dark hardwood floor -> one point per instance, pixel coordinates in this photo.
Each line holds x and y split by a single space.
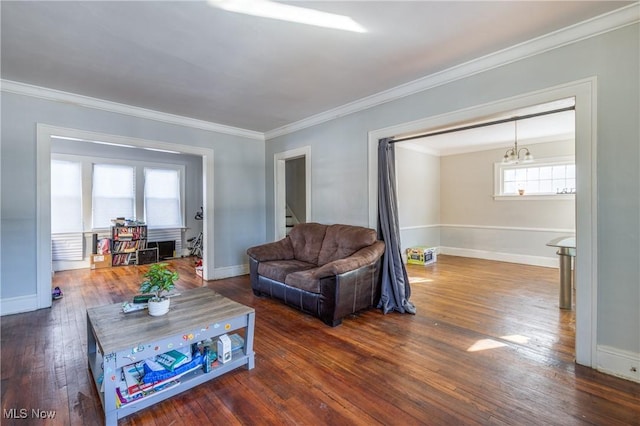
488 345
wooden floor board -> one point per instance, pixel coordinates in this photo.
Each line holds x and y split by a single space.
487 346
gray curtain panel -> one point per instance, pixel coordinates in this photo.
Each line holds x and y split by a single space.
395 291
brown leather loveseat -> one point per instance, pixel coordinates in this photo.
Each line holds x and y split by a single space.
329 271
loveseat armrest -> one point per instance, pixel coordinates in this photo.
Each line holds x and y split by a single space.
278 250
364 256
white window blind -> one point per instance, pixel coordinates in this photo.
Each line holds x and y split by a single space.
113 193
66 196
66 210
162 198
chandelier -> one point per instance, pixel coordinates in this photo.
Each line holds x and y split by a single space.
512 156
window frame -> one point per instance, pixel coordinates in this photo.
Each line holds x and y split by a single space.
498 180
87 185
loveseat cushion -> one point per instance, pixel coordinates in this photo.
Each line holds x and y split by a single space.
306 239
365 256
278 250
304 280
279 269
341 241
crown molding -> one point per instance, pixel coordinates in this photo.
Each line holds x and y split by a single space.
607 22
10 86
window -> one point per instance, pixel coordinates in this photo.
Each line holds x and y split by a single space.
113 194
66 196
546 177
162 191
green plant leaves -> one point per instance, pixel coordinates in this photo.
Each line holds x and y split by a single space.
159 279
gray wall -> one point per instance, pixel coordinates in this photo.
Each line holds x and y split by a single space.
490 225
418 184
448 202
339 162
239 198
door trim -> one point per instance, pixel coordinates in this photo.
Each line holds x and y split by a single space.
585 93
43 197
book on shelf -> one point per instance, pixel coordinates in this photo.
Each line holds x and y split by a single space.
172 359
132 375
123 397
133 384
121 259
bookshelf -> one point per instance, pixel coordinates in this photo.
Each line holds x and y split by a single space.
126 240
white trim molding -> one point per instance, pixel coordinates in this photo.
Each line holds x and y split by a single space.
500 228
525 259
511 228
611 21
408 228
624 364
230 271
17 305
10 86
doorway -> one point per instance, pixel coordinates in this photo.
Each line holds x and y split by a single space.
584 92
292 177
43 196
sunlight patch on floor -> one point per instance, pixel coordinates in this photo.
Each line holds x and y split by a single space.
516 338
484 344
414 280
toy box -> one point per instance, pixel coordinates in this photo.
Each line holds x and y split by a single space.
100 261
421 255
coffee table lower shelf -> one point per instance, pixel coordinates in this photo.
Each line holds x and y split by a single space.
104 368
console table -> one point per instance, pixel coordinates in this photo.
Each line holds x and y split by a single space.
116 339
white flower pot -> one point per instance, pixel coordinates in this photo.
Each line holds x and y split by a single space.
157 309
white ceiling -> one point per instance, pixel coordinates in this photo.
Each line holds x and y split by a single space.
558 126
195 60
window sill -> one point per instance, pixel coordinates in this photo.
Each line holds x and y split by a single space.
549 197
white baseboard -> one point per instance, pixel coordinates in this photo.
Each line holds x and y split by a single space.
616 362
230 271
548 262
18 305
68 265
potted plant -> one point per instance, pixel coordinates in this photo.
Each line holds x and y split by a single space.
159 279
